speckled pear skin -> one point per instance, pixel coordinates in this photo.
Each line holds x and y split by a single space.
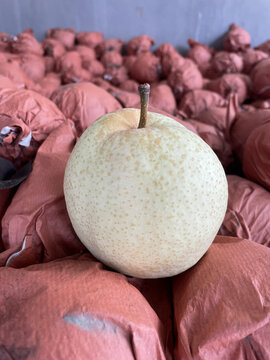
147 202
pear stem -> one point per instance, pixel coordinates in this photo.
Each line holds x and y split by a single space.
144 91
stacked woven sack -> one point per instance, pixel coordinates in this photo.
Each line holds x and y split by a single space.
57 301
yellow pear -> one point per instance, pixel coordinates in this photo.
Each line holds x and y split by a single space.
144 194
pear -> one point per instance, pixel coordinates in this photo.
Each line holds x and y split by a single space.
144 194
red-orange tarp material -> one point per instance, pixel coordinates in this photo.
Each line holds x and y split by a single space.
222 304
75 309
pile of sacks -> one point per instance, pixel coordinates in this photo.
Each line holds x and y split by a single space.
57 301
